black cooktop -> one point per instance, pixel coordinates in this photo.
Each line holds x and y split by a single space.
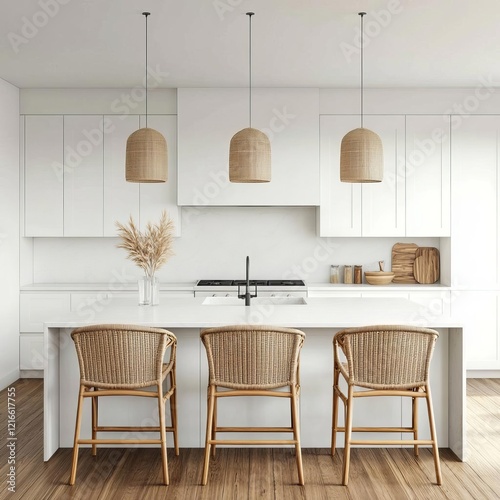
252 282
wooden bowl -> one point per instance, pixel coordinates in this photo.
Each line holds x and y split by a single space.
378 277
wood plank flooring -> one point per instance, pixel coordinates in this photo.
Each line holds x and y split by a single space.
253 473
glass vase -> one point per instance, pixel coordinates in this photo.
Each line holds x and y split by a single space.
155 290
144 287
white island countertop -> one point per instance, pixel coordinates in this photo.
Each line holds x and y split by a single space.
316 313
319 318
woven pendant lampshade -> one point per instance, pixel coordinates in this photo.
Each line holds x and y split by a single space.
146 156
250 156
361 153
361 157
250 149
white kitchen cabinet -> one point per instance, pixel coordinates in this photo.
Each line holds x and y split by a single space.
83 175
36 308
348 209
31 351
121 198
479 312
43 176
208 118
433 303
156 197
428 175
75 175
475 191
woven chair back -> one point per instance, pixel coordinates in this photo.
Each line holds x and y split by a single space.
121 356
387 357
252 357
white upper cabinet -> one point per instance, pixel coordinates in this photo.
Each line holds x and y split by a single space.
207 120
43 175
362 209
156 197
121 198
475 187
428 175
74 178
83 175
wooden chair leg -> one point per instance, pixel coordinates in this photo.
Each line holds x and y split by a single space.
173 410
335 410
77 436
95 420
208 433
214 427
414 423
296 435
347 434
163 434
432 425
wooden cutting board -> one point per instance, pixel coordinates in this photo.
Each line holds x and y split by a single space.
403 259
426 267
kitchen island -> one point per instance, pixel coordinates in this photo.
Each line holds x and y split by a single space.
319 318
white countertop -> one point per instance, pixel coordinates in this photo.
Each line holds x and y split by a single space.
107 287
317 313
404 287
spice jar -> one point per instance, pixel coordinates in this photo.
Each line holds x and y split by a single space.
334 274
358 275
348 274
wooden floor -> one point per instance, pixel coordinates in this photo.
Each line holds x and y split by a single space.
252 473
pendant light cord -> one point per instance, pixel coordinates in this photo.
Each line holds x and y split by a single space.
146 14
250 14
362 48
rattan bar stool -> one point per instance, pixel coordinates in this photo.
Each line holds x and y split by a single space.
123 360
248 360
386 360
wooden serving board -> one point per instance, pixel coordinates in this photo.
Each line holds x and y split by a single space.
426 267
403 259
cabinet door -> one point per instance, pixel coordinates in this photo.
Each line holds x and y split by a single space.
44 172
121 198
383 203
434 304
475 146
31 351
339 213
156 197
349 209
36 308
208 118
479 313
83 175
428 175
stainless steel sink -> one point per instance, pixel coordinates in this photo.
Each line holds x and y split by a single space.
234 301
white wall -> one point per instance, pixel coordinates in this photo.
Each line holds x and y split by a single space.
281 242
9 233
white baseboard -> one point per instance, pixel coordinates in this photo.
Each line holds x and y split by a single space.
31 374
483 373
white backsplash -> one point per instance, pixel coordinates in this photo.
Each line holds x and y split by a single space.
281 243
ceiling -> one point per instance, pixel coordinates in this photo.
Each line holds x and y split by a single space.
204 43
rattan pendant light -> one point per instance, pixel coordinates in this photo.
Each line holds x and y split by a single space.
361 156
250 149
146 158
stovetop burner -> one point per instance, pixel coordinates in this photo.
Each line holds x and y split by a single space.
252 283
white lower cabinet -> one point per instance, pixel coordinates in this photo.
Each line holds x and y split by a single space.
479 312
37 307
31 351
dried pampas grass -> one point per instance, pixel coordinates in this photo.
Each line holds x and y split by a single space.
149 249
